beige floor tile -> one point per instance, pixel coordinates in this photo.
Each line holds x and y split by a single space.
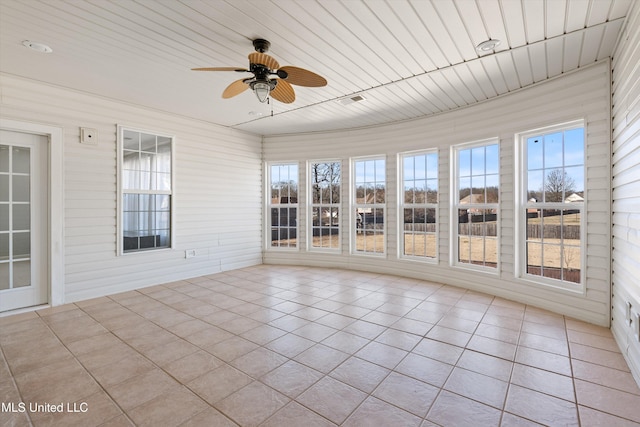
290 345
604 376
210 417
440 351
424 369
412 326
543 381
64 381
597 341
332 399
611 401
611 359
543 360
539 342
486 365
592 418
321 358
364 329
407 393
121 370
192 366
171 408
541 408
510 420
291 378
231 348
497 333
482 388
453 410
315 332
381 354
492 347
375 412
399 339
263 334
289 323
208 337
219 383
140 389
345 342
449 336
258 362
295 414
263 401
167 352
360 374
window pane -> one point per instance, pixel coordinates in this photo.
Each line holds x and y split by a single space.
554 183
148 143
464 162
131 140
21 156
4 159
553 150
574 147
492 159
535 186
4 188
432 166
21 245
21 273
478 161
20 188
4 217
21 217
535 152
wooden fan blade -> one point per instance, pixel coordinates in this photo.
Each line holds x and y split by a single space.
219 69
283 92
301 77
235 88
263 59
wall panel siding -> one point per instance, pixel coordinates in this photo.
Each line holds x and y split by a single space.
582 94
217 192
626 189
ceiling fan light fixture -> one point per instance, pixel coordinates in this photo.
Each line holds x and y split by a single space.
488 45
262 90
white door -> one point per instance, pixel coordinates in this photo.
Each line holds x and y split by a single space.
24 278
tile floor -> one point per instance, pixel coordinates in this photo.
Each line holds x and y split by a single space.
288 346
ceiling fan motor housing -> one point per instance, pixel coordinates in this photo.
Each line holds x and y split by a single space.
261 45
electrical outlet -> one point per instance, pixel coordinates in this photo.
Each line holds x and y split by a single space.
190 253
88 136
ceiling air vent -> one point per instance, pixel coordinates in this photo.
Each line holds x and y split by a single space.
351 99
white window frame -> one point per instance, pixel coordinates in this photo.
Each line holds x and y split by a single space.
402 205
354 206
455 205
311 206
121 192
270 205
522 205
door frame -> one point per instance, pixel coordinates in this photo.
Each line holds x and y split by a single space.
55 196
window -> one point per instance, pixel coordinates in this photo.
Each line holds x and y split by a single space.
146 184
476 198
418 205
369 206
283 204
552 203
324 191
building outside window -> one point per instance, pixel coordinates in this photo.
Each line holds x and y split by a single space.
418 205
324 214
283 205
146 163
476 204
552 203
369 196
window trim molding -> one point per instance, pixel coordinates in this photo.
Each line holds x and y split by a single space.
454 169
353 206
400 206
520 168
310 205
268 206
120 191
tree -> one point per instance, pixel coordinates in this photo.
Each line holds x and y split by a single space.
558 185
325 182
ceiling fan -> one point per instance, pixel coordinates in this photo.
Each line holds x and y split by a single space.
268 77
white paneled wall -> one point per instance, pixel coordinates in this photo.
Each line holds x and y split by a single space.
626 191
584 94
217 190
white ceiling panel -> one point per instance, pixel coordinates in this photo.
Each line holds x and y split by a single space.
408 58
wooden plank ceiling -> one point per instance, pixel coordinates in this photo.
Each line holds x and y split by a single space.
406 58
